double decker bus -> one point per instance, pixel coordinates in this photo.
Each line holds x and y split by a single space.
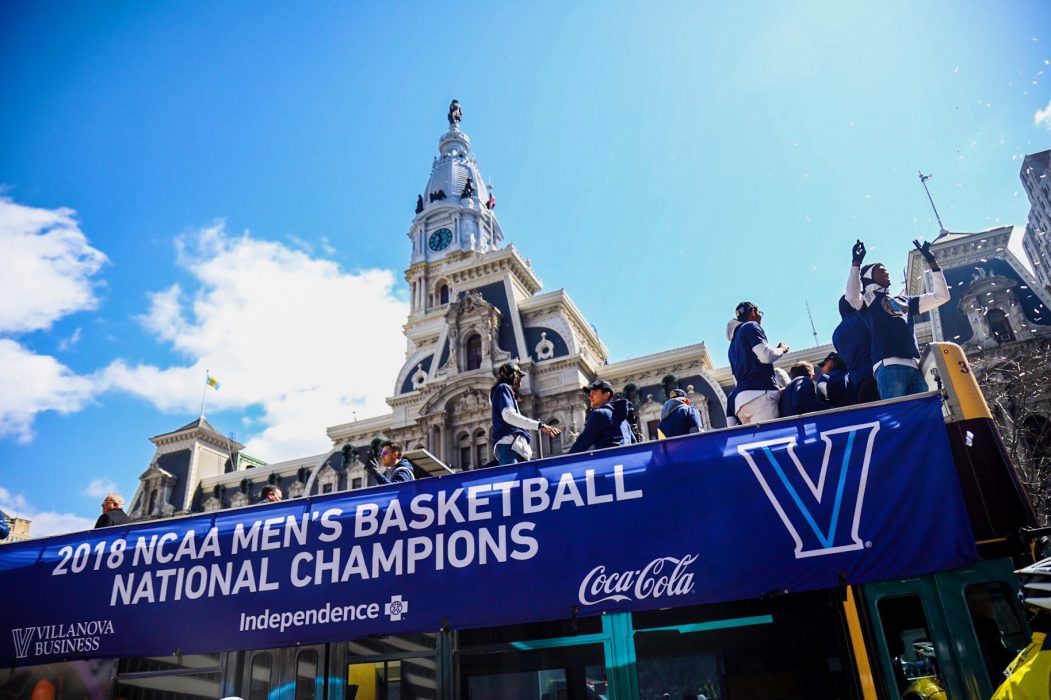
864 552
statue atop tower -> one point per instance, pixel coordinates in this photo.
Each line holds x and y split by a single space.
455 114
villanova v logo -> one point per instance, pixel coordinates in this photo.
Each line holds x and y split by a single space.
823 516
22 636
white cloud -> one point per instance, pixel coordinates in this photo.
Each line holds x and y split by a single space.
100 487
281 330
46 268
33 383
46 272
43 523
1043 117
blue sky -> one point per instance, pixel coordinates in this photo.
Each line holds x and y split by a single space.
227 186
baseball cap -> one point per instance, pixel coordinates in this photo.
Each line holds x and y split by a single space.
599 384
677 394
743 308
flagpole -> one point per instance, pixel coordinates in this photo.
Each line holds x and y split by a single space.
204 392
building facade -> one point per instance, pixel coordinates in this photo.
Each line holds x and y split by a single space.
1036 178
475 302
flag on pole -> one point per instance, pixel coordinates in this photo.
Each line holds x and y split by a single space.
211 381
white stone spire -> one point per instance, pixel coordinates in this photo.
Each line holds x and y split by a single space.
455 210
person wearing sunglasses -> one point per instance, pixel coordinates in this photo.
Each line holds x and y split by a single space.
396 468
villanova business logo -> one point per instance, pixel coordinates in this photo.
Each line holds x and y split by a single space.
821 515
22 636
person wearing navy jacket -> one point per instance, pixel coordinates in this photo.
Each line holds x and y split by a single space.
396 469
512 431
755 396
853 342
678 417
800 396
833 381
891 320
607 423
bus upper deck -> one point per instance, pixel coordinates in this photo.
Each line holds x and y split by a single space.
861 552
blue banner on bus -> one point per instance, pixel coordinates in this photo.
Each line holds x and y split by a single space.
866 494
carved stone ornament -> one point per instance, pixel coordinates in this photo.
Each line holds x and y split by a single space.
418 377
545 349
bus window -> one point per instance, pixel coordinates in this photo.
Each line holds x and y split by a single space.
790 647
910 646
261 678
558 673
307 674
999 632
551 629
393 644
404 679
185 677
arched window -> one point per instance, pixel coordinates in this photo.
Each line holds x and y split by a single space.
1000 326
481 448
473 348
463 442
553 446
443 293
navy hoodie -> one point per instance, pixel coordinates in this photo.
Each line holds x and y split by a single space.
606 426
749 372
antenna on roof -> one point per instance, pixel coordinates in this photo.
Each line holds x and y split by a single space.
812 328
923 181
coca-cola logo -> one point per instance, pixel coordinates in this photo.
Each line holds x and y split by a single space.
661 578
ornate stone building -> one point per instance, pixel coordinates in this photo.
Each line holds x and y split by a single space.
474 303
996 297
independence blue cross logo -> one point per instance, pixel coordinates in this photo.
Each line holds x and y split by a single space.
822 515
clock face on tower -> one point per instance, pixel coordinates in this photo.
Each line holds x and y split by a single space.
440 239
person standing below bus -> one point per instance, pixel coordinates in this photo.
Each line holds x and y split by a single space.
755 396
607 422
678 417
112 511
512 431
853 342
891 320
1029 675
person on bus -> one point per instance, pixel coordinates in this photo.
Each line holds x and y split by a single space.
607 422
756 394
833 381
853 343
270 494
678 416
891 320
1029 675
112 511
800 396
396 468
512 431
